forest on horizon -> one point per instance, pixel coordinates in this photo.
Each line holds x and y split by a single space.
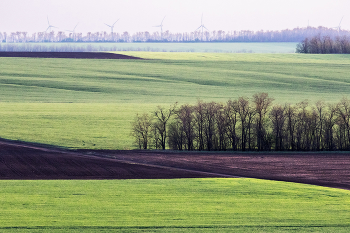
287 35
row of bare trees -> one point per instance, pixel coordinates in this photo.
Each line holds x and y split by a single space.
325 45
287 35
254 124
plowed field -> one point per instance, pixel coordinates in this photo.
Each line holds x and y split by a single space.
79 55
24 161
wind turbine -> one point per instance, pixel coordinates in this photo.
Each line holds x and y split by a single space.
338 28
50 26
202 26
161 28
112 26
73 31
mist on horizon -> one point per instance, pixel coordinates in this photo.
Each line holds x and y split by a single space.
180 15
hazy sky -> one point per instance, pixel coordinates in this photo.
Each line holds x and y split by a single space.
181 15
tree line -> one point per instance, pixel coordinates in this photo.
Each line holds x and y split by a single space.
325 45
287 35
246 124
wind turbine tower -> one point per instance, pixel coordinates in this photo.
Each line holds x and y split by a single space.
161 28
112 26
202 26
339 26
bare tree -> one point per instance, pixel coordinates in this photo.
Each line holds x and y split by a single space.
243 111
291 124
262 104
210 111
162 117
329 126
343 111
141 130
221 126
185 114
199 123
278 117
231 112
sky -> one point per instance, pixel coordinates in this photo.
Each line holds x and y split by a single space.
180 15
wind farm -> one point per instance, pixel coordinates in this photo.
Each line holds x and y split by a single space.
174 116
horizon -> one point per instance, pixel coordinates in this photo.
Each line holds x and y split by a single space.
180 16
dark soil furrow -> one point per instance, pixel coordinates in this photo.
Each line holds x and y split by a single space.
76 55
28 161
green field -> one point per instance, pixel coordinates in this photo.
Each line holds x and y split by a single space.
90 103
280 47
195 205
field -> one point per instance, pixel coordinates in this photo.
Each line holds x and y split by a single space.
80 103
35 199
194 205
288 47
85 104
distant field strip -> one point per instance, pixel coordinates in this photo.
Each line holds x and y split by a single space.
81 103
176 205
280 47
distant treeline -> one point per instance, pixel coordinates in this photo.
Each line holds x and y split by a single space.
247 125
287 35
325 45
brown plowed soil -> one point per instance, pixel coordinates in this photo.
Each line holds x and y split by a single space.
78 55
25 161
325 169
30 162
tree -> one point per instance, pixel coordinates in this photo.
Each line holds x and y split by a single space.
231 112
243 111
199 123
262 104
343 111
162 117
210 111
186 118
277 116
290 112
141 130
329 127
303 47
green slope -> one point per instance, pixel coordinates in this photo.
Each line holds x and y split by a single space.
103 96
208 205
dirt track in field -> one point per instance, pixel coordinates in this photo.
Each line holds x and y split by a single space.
26 161
77 55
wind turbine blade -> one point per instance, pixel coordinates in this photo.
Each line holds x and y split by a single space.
48 20
47 28
198 28
205 28
163 20
115 22
340 21
108 25
75 27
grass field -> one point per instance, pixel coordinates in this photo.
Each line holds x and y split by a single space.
90 103
194 205
288 47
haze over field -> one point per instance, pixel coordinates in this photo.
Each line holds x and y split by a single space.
181 15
